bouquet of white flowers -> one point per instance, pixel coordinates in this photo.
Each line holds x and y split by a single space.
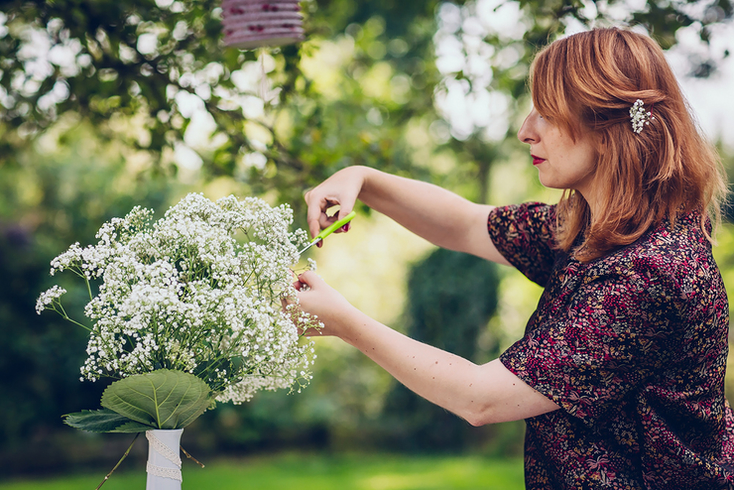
189 311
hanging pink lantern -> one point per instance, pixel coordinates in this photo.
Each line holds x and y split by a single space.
253 23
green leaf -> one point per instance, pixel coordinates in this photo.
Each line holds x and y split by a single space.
131 427
163 399
99 421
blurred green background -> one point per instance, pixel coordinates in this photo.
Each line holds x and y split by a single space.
109 104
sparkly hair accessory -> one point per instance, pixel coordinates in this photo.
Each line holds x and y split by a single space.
640 118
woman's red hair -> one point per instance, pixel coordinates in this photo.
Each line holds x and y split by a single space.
586 83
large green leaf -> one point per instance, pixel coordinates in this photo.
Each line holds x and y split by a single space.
163 399
96 420
104 420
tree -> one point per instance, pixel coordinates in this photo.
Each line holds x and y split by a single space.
162 63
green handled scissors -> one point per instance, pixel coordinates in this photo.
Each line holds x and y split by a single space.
328 231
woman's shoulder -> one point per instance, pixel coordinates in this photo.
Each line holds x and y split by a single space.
668 241
675 253
524 235
528 211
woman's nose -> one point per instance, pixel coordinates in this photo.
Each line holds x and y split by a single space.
527 133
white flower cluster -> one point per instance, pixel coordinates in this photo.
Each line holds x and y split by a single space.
639 116
49 298
201 290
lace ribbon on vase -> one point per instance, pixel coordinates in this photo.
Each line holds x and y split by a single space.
169 454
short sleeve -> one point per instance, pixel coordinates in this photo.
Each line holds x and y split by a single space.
611 334
523 234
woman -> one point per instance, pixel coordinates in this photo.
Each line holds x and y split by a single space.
620 374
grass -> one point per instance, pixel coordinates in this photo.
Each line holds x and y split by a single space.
314 472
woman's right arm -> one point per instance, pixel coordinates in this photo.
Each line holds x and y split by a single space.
440 216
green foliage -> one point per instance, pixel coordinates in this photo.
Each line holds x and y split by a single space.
162 399
112 61
104 71
451 297
152 60
103 420
48 200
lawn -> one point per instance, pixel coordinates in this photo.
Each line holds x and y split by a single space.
313 472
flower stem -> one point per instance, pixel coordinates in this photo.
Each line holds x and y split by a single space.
68 318
118 463
191 457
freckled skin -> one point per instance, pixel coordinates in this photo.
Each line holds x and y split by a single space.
481 394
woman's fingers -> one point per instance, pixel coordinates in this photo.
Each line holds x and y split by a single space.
316 213
318 218
307 283
308 279
341 189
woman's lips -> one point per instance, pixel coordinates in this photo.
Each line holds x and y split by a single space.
537 160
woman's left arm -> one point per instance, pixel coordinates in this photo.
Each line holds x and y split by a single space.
480 394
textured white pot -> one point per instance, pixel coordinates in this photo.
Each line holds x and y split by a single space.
164 460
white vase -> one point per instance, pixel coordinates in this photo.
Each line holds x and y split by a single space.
164 460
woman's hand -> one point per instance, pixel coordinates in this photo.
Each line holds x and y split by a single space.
318 298
341 189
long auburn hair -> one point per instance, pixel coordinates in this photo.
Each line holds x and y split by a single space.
587 83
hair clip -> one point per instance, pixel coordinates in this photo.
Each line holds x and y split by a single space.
640 118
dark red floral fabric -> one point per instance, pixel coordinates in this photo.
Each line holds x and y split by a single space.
633 348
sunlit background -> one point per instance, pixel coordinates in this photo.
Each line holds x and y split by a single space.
111 104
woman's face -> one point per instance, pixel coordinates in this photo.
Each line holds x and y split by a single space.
562 163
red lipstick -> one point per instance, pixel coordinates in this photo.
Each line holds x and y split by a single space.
537 160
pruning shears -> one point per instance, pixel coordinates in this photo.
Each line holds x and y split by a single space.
328 231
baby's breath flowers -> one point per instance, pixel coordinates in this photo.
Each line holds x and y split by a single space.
639 116
200 291
50 299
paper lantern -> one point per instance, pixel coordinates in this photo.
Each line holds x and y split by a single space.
253 23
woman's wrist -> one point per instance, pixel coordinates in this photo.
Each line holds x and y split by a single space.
351 323
375 190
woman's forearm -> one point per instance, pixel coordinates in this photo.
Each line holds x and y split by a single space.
440 216
480 394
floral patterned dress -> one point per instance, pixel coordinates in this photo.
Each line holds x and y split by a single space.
633 348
